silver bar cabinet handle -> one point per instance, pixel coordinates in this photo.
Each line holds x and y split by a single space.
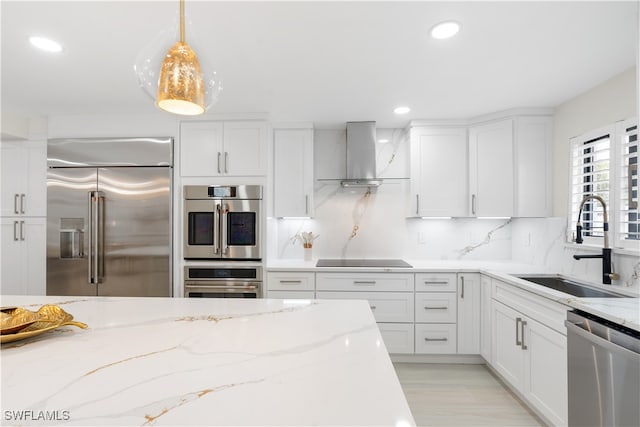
417 204
15 231
306 204
436 308
462 290
518 342
219 154
436 339
226 162
15 203
364 282
22 196
436 282
522 325
290 282
473 204
22 230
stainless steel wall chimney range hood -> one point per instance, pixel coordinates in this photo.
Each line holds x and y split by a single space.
361 155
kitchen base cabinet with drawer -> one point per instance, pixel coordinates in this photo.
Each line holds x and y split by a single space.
385 306
390 296
397 337
291 285
436 338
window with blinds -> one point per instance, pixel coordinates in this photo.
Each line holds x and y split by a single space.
590 174
628 225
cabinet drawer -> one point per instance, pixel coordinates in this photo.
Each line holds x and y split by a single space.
436 307
397 337
290 294
385 306
392 282
436 338
436 282
290 281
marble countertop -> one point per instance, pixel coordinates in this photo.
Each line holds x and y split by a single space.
165 361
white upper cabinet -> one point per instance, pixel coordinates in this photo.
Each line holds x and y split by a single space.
532 151
439 177
293 172
491 169
223 148
24 178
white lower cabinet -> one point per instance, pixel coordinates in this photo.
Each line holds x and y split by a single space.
23 270
468 313
397 337
390 296
290 285
385 306
531 356
436 338
436 313
486 309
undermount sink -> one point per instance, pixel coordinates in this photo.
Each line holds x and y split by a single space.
570 287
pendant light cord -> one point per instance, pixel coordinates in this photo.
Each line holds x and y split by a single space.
182 21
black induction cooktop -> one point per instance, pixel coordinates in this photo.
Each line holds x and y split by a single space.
379 263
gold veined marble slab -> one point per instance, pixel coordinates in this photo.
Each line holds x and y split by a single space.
18 323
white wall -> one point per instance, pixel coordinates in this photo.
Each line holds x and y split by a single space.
614 100
607 103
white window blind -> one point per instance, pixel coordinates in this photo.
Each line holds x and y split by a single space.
628 229
590 174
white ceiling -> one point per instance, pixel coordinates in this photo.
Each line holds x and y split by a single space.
326 62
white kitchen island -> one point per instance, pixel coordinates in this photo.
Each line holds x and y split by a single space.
164 361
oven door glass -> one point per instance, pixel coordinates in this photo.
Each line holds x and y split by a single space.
241 229
201 225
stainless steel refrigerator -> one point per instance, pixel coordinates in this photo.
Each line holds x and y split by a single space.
109 216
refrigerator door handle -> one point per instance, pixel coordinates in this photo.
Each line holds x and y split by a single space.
99 244
91 238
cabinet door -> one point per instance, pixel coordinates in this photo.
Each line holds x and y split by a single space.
23 270
485 318
201 150
532 152
397 337
508 357
291 281
491 169
469 313
293 172
435 338
12 269
439 177
385 306
392 282
546 371
24 179
436 307
245 148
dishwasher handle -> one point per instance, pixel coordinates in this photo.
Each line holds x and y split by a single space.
572 328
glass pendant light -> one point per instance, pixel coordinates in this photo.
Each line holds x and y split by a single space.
181 88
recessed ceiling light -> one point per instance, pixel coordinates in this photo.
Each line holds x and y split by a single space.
444 30
401 110
383 140
45 44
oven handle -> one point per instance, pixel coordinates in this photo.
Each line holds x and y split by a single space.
222 287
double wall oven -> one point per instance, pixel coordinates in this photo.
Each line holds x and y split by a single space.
222 241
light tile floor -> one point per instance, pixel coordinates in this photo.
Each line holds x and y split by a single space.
460 395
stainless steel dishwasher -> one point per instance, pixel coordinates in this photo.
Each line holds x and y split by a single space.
604 372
